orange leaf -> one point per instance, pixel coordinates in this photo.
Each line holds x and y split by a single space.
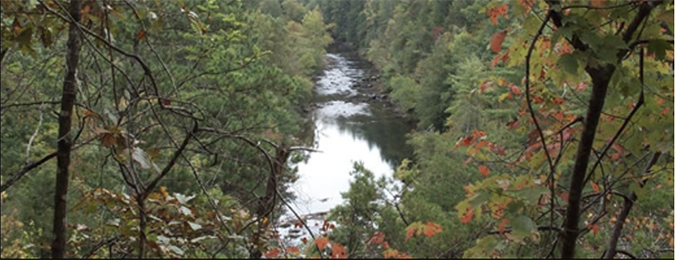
385 245
467 216
272 253
339 251
502 225
293 250
481 144
321 242
432 229
497 11
597 3
483 170
410 231
595 186
497 40
377 238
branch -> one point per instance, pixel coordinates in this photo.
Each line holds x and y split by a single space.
625 210
172 162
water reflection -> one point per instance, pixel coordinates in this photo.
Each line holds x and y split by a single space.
346 131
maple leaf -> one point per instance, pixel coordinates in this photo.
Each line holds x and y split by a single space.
502 225
497 11
515 89
484 170
339 251
497 40
432 229
595 186
272 253
321 242
410 231
481 144
467 216
377 238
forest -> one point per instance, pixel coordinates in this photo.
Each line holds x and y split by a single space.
337 129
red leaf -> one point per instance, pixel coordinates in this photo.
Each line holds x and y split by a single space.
558 101
304 240
515 89
272 253
513 124
497 40
481 144
537 99
141 35
595 228
527 4
487 84
483 170
494 62
505 58
565 196
293 250
321 242
497 149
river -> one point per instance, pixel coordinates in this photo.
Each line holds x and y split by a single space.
352 122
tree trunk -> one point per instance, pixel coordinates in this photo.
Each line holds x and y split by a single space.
65 136
627 206
600 78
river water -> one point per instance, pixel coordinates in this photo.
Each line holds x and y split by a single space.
352 123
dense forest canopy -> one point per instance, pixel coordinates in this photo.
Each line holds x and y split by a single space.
172 129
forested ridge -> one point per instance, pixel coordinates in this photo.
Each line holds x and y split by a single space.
174 129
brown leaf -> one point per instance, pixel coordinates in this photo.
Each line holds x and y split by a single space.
141 35
108 139
497 40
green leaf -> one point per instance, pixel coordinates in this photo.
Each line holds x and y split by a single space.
522 226
568 63
659 48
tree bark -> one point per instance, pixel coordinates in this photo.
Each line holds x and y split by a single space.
627 206
600 78
65 141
